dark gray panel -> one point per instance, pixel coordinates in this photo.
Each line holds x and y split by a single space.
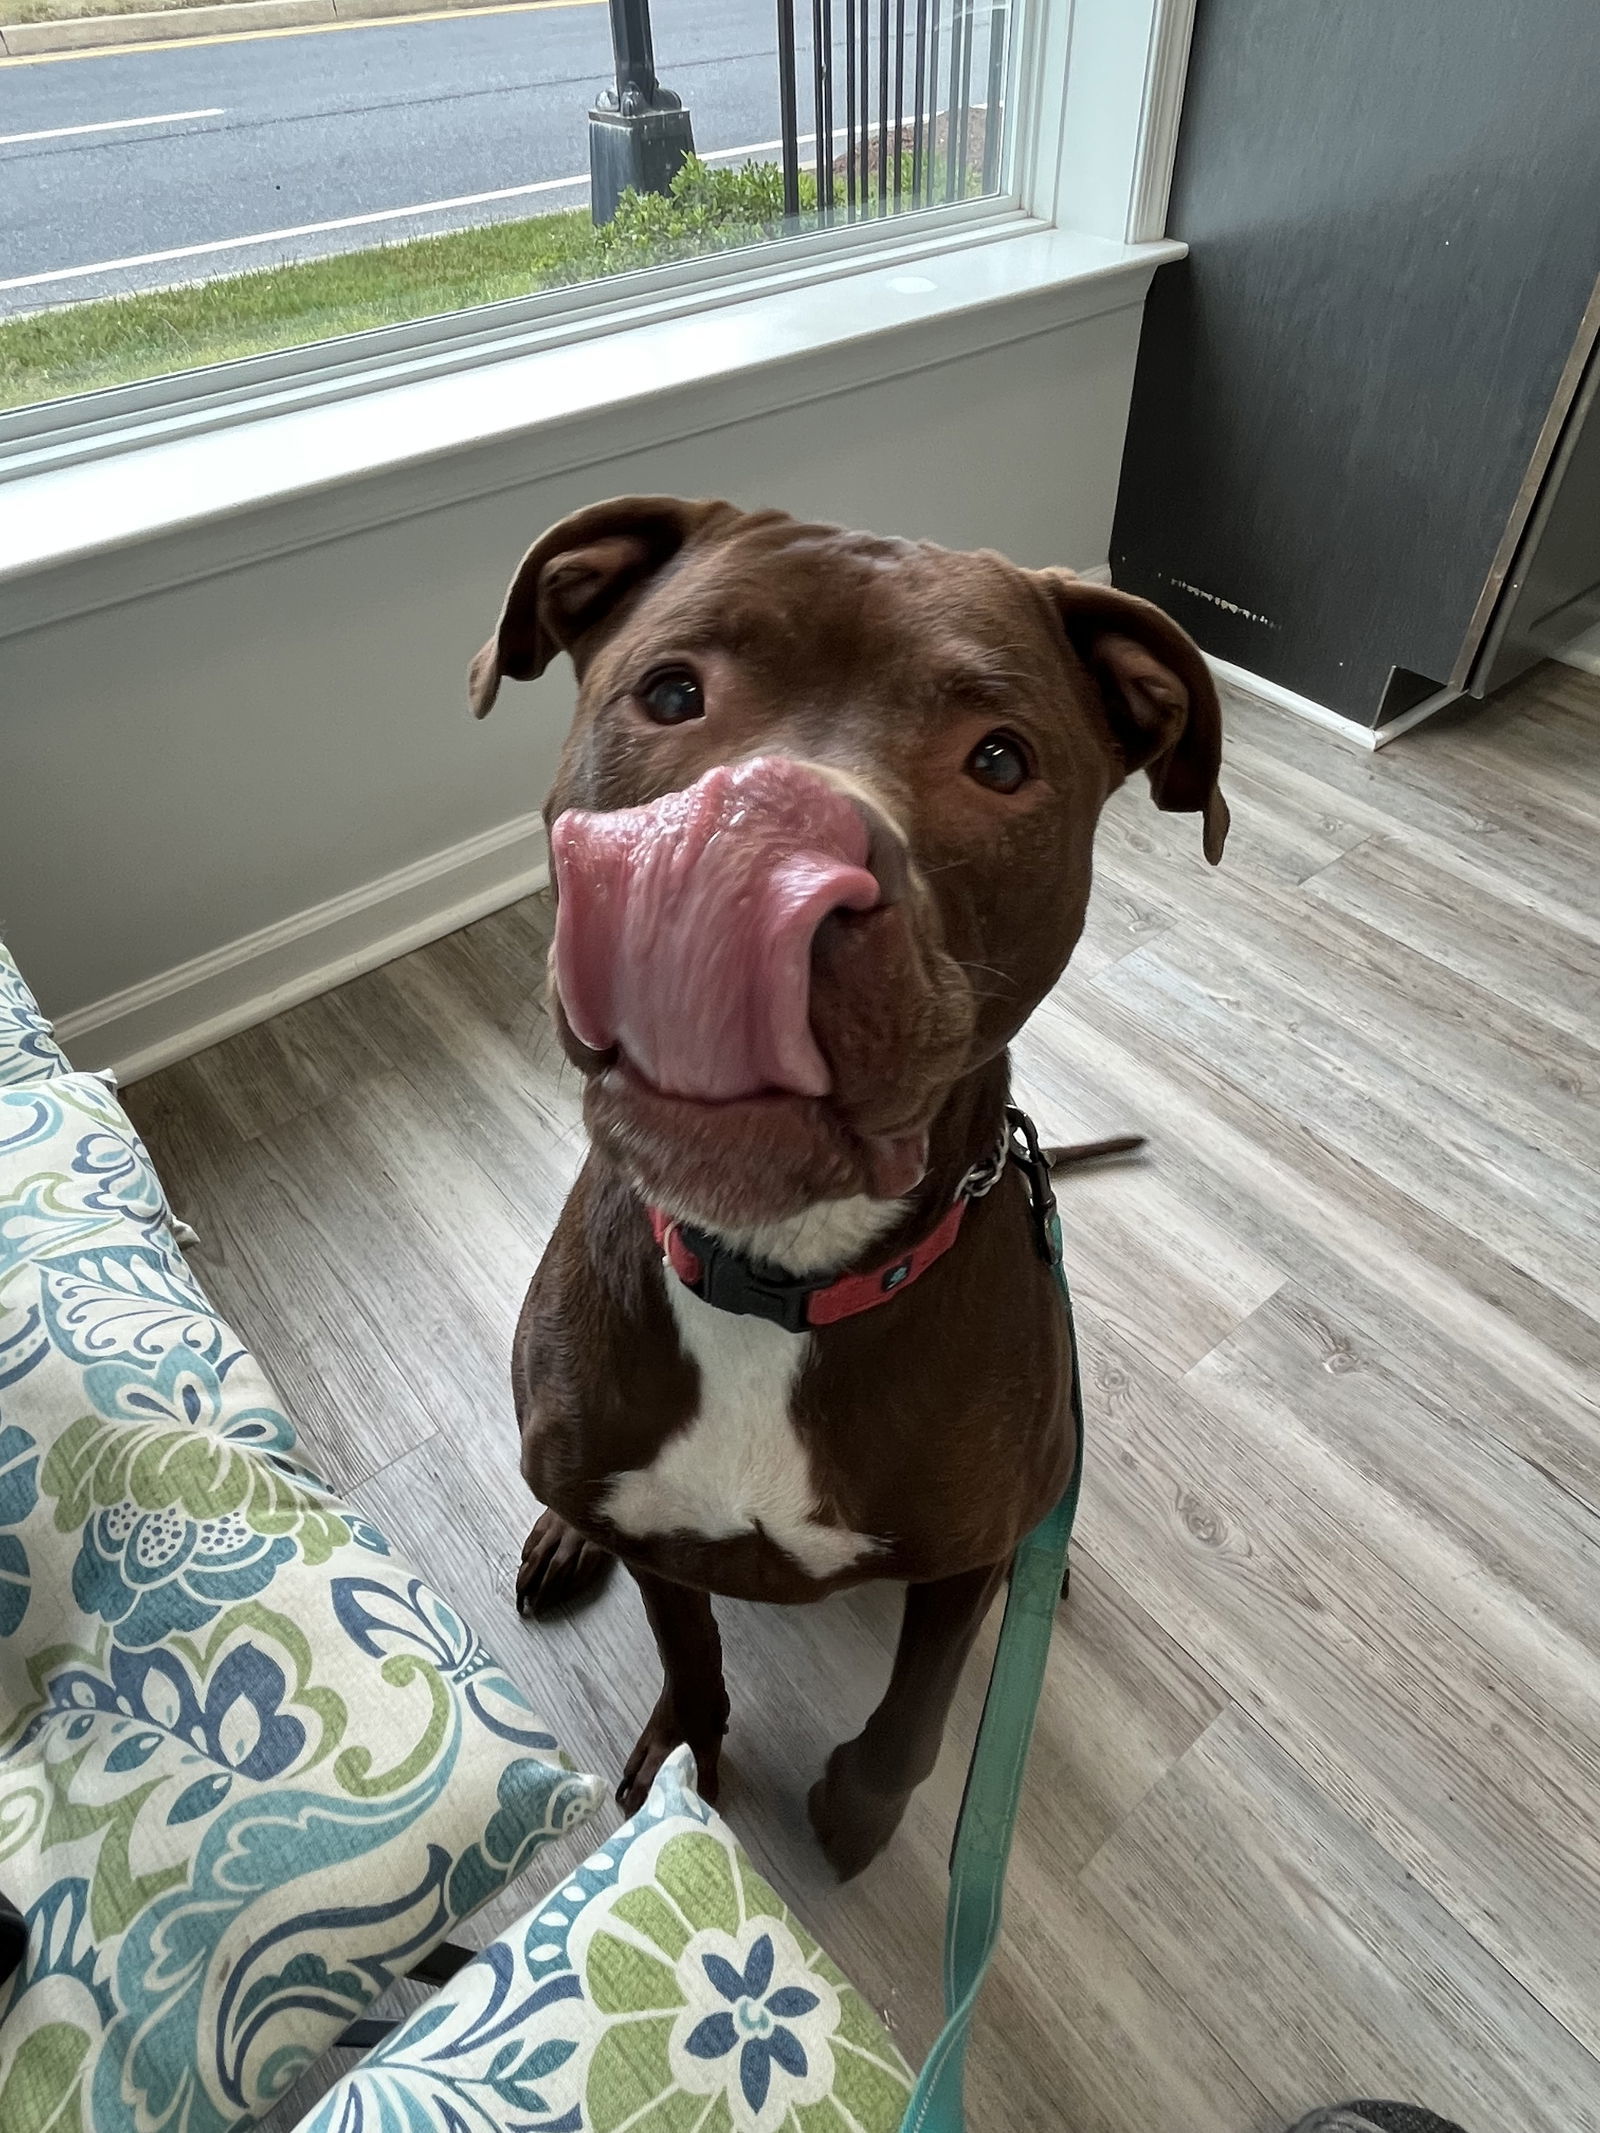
1553 594
1394 208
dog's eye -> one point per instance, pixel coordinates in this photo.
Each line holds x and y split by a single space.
673 697
1000 762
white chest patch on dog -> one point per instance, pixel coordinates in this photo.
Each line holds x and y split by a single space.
740 1463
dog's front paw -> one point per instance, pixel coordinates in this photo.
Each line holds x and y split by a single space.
852 1821
664 1733
558 1565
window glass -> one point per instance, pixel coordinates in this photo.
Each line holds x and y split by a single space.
227 184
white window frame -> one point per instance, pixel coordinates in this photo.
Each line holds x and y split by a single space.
1094 89
182 403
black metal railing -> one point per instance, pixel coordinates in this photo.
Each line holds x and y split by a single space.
906 131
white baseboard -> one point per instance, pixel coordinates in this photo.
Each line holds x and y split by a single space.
1582 652
184 1009
1282 699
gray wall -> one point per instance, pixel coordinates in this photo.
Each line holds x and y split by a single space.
194 765
1394 214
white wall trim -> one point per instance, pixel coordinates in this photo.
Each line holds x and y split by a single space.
1581 652
1099 127
1282 699
1571 633
77 538
65 432
182 1010
1159 117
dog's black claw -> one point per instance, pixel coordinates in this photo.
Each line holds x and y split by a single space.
661 1735
558 1566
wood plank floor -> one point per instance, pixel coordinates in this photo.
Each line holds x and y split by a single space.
1315 1803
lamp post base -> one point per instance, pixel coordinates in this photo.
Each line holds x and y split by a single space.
643 150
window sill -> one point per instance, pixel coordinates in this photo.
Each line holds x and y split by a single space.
75 538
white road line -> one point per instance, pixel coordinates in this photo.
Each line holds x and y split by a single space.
344 222
59 133
300 229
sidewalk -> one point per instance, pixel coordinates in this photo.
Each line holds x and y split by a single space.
107 32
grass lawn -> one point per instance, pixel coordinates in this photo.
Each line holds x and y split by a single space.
76 348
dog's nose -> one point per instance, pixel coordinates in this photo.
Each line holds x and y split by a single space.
888 850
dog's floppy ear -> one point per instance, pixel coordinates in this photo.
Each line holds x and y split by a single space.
575 575
1158 695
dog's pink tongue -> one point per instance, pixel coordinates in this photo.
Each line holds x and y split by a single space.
684 928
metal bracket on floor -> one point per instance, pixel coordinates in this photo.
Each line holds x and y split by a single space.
437 1967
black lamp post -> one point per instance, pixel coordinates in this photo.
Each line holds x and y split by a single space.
639 133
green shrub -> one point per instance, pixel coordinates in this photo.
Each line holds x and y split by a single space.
706 211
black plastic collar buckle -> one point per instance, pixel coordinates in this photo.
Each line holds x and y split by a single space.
1030 1160
731 1282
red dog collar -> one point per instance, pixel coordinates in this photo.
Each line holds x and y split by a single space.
728 1280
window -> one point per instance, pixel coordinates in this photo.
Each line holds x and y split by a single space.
217 195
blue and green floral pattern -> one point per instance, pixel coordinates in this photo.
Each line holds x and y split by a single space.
663 1989
28 1050
251 1768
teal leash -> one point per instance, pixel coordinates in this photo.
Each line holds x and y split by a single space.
994 1782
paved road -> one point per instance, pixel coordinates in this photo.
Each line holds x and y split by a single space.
276 132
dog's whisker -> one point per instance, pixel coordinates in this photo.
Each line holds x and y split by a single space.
988 970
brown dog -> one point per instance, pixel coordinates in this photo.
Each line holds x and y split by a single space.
821 841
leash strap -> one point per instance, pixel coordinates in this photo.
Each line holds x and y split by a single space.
994 1780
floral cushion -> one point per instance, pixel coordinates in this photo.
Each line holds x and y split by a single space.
251 1768
28 1051
664 1989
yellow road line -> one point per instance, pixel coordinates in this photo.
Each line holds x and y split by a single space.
298 29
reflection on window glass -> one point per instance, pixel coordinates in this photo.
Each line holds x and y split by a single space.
200 192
